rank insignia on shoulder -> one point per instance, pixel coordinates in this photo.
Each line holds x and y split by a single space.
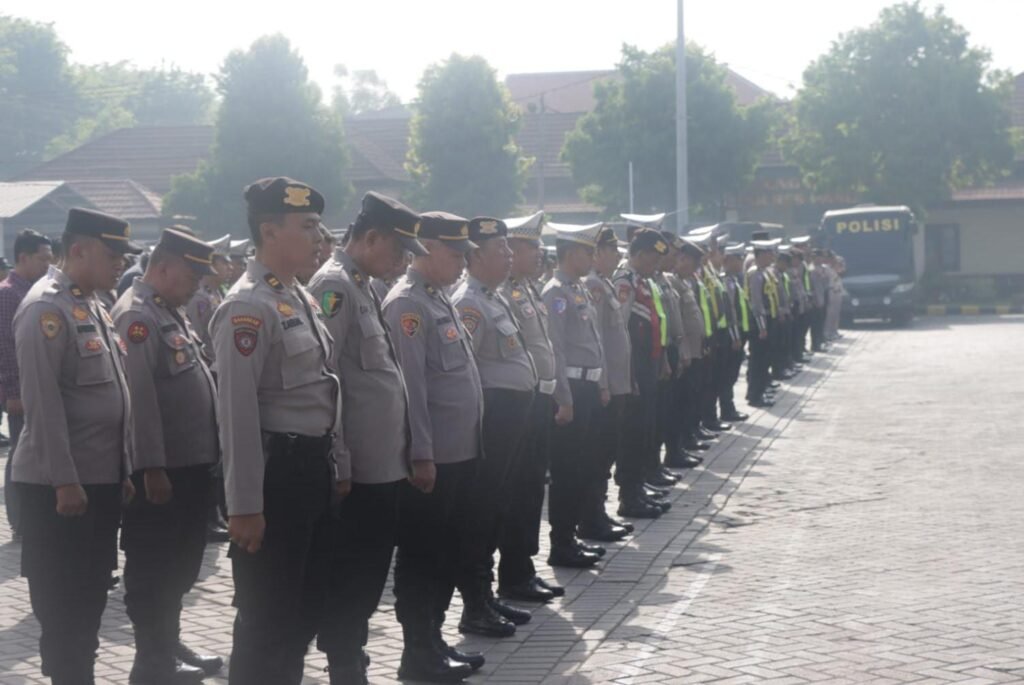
331 301
410 324
51 324
273 282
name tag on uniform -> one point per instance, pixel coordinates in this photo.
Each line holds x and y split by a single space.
291 323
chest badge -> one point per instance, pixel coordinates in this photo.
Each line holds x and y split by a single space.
80 313
285 309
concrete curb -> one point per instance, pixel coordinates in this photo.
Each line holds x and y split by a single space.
969 309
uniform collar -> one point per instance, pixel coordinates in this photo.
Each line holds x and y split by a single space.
149 292
475 283
416 277
564 277
61 279
349 264
261 274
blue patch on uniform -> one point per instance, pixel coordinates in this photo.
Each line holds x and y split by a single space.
559 304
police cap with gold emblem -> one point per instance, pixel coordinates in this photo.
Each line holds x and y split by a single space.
113 231
448 229
283 195
648 240
573 233
526 227
195 252
387 213
484 228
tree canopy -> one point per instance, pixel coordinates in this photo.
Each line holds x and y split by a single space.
462 154
634 121
904 111
361 91
271 122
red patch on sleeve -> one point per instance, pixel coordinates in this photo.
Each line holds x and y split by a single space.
245 341
138 332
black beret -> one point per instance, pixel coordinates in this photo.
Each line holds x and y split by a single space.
111 230
484 228
283 195
195 252
647 239
606 238
387 213
450 229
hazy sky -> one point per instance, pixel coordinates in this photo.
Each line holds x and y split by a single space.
768 41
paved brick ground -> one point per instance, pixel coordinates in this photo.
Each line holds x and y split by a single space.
868 528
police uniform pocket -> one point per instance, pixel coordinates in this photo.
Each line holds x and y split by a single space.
177 354
508 338
453 356
373 347
94 363
303 364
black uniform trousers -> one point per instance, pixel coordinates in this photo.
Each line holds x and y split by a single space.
759 368
691 383
573 469
798 341
777 347
818 327
163 551
605 446
734 361
669 409
68 562
363 533
716 372
485 507
519 541
427 563
280 590
639 427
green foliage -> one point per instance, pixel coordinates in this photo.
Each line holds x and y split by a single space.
271 122
902 112
462 154
361 91
38 95
634 121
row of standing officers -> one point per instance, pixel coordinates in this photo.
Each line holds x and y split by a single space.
348 422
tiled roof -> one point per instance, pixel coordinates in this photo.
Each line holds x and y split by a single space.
123 198
563 91
1005 191
149 155
378 146
15 198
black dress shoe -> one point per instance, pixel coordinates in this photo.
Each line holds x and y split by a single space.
705 434
735 416
149 672
480 618
761 403
571 556
603 532
652 492
475 660
519 617
675 478
431 666
637 508
658 479
353 673
558 590
719 427
529 591
663 506
207 663
591 549
622 524
697 446
683 460
774 385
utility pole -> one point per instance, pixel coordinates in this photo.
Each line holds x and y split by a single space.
682 181
540 157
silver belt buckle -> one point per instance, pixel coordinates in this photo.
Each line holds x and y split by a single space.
574 373
594 375
546 387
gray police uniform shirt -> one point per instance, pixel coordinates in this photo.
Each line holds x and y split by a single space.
173 394
273 374
380 288
77 408
532 316
819 286
573 333
434 353
611 324
374 404
759 307
501 355
692 346
200 310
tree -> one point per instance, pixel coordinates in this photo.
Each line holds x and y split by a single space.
361 91
462 156
904 111
38 98
118 95
634 121
271 122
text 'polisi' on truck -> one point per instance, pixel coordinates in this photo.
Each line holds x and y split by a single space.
883 250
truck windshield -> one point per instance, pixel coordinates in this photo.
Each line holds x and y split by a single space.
872 244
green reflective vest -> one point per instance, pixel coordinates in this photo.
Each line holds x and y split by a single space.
662 319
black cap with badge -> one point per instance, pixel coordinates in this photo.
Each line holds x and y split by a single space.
283 195
387 213
483 228
195 252
449 229
648 239
112 231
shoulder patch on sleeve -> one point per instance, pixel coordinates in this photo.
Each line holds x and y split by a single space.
410 323
559 304
138 332
331 302
624 291
471 318
245 340
51 324
246 320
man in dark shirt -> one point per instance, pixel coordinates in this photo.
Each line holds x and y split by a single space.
32 256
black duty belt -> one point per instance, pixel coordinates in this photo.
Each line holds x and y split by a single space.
293 444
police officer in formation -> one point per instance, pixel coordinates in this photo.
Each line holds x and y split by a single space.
175 444
368 413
